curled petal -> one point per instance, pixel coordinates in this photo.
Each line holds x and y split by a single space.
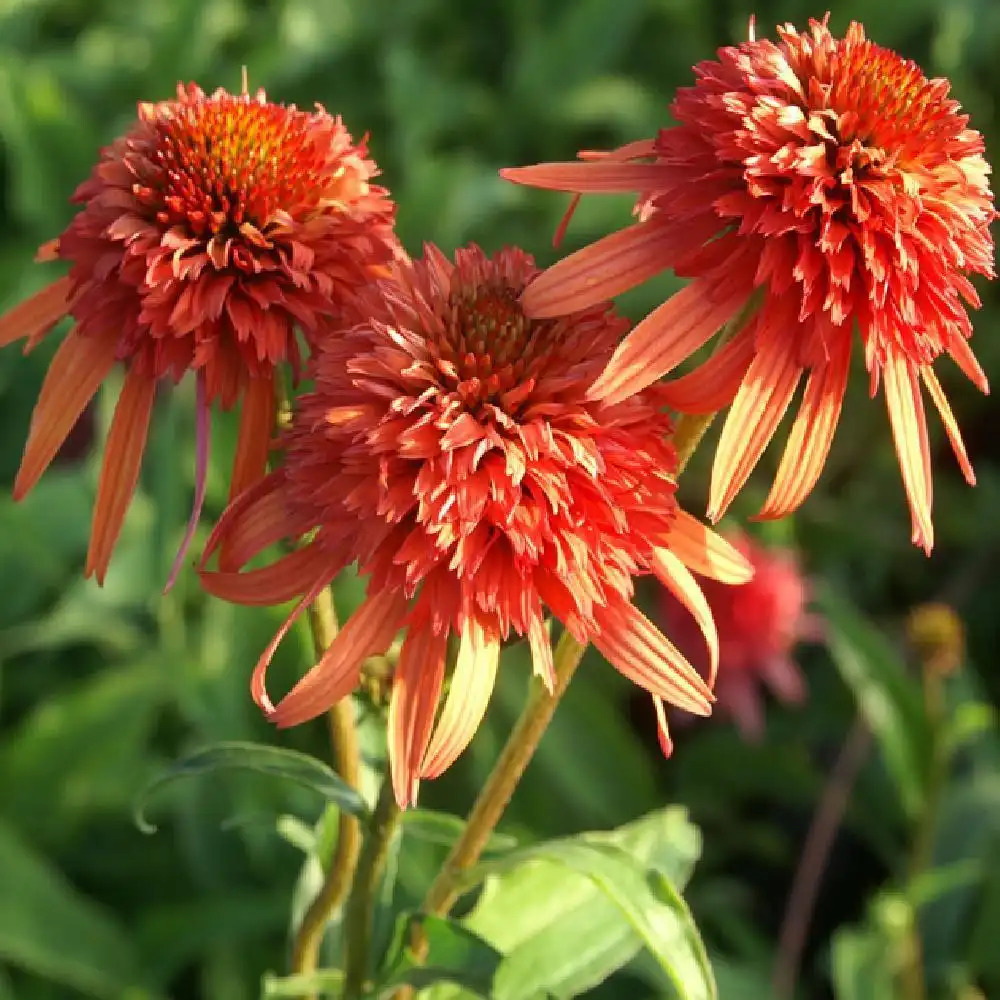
368 632
416 688
909 432
471 687
289 577
77 369
706 552
811 435
630 642
119 469
674 575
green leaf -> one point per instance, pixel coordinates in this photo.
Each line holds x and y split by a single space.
50 929
328 982
275 761
443 829
860 968
570 912
454 954
888 699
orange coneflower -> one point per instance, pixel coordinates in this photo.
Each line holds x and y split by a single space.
450 448
209 231
759 624
845 187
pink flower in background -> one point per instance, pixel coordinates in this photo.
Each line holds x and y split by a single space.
759 625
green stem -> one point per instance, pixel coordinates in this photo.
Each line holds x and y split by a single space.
347 762
358 916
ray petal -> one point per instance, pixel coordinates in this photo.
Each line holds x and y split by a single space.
77 369
541 651
589 177
967 362
630 642
940 400
676 577
287 578
811 435
416 688
256 427
368 632
256 519
119 469
909 433
706 552
757 410
471 686
35 316
669 334
662 729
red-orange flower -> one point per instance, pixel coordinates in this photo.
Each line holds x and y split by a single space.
209 231
832 177
450 448
759 624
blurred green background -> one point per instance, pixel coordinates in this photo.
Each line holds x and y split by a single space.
100 689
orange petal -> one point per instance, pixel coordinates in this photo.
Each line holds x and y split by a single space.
669 334
256 427
258 687
77 370
48 251
590 177
34 317
811 435
706 552
287 578
119 469
950 423
962 354
471 687
610 266
416 688
760 404
630 642
368 632
662 730
712 385
909 432
675 576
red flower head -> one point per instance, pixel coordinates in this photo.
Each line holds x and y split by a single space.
450 448
759 624
842 185
208 232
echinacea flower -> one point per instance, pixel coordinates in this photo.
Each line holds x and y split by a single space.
211 230
450 449
812 187
759 624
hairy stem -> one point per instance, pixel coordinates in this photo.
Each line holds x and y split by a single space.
346 759
358 916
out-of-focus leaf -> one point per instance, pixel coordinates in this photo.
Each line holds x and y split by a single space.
325 982
444 829
289 765
454 955
860 969
50 929
887 698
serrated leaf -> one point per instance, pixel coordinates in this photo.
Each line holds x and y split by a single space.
277 762
51 930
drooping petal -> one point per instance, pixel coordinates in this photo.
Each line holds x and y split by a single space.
256 428
416 688
202 439
464 708
635 647
662 729
909 433
34 317
289 577
119 469
78 367
706 552
610 266
760 404
713 384
669 334
674 575
811 435
368 632
590 177
940 400
968 363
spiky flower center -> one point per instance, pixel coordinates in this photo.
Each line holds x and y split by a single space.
223 166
